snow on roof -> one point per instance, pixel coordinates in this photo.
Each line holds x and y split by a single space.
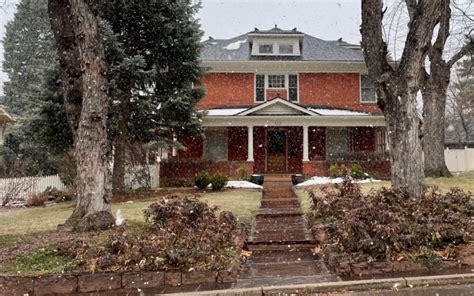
235 45
224 112
337 112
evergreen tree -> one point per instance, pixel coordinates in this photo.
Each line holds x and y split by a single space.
28 50
154 56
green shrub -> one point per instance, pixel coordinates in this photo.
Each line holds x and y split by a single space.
374 175
202 180
334 171
357 172
243 173
218 181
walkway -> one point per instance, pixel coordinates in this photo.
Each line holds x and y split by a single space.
280 242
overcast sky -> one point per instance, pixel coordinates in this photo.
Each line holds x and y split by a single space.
325 19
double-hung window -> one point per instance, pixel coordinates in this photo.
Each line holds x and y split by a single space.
367 90
260 88
293 88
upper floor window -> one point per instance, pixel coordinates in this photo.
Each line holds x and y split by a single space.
367 90
260 88
285 49
276 81
269 86
266 48
293 88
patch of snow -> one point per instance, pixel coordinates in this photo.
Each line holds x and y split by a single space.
326 180
335 112
235 45
224 112
243 184
119 220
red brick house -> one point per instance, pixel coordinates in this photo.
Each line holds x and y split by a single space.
281 101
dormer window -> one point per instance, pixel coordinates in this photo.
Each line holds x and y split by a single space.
285 48
265 48
281 46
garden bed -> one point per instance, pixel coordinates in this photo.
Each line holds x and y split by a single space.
384 233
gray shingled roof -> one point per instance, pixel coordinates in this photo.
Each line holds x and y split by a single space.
313 49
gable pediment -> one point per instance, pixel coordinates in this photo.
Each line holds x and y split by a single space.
279 107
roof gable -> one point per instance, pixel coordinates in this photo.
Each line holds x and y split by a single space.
277 106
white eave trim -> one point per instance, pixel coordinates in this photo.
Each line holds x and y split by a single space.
277 101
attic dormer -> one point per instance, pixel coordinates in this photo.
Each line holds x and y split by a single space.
276 42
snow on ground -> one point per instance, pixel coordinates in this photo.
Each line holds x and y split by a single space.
235 45
326 180
243 184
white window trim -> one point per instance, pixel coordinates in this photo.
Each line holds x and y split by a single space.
360 92
287 86
276 48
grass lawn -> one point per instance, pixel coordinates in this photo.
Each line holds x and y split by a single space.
15 223
464 181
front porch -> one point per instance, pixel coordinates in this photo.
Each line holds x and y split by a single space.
283 137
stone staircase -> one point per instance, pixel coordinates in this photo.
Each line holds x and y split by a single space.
281 244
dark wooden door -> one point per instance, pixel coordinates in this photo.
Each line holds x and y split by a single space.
276 151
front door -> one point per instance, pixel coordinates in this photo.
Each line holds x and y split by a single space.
276 151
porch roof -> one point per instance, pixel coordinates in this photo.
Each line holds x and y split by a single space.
280 112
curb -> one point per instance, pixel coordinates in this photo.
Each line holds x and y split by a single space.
361 285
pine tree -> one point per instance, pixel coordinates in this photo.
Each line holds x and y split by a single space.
154 58
29 51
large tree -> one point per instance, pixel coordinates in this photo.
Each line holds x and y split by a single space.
84 89
434 90
397 86
29 50
152 71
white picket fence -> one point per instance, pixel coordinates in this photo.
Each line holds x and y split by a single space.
19 189
459 160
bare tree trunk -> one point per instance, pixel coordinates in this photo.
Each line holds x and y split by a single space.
434 107
84 88
397 88
118 180
406 156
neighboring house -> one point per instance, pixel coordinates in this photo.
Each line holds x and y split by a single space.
5 120
281 101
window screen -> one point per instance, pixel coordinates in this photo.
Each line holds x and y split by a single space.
286 48
260 88
215 144
367 90
293 88
265 48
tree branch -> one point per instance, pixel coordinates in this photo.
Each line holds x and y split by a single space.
468 47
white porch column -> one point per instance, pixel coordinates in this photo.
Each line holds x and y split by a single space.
305 143
174 151
250 143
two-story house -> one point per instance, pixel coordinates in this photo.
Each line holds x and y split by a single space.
281 101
